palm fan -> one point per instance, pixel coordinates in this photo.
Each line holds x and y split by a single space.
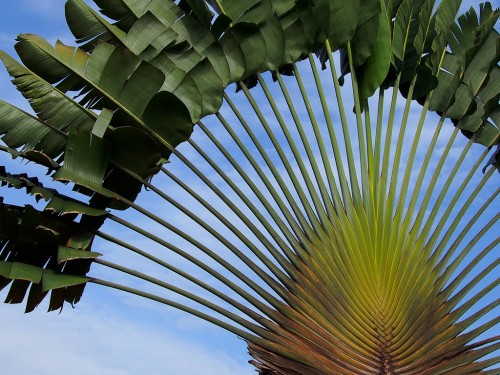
305 189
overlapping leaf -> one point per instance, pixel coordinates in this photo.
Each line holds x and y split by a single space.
29 242
466 73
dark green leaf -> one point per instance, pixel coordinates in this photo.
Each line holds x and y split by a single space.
55 280
85 162
65 254
61 206
374 71
102 123
88 27
20 271
344 17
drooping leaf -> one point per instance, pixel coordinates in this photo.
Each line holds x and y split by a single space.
85 162
56 113
465 74
249 40
34 156
234 8
363 40
375 69
401 30
56 280
22 129
264 15
29 242
424 25
134 149
102 123
88 27
130 76
200 11
136 152
443 19
65 254
61 206
344 17
20 271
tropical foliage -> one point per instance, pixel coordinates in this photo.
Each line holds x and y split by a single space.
331 241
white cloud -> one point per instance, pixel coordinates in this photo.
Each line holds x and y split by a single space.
97 338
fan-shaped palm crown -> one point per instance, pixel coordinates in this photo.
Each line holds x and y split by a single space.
333 243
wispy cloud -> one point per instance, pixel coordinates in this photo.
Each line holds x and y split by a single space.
98 339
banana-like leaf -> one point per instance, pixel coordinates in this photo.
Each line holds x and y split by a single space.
85 161
22 129
21 271
63 62
37 157
57 280
65 254
200 10
344 18
32 185
473 60
57 203
89 28
376 67
363 40
29 246
401 29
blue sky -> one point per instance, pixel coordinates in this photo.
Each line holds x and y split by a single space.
108 332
